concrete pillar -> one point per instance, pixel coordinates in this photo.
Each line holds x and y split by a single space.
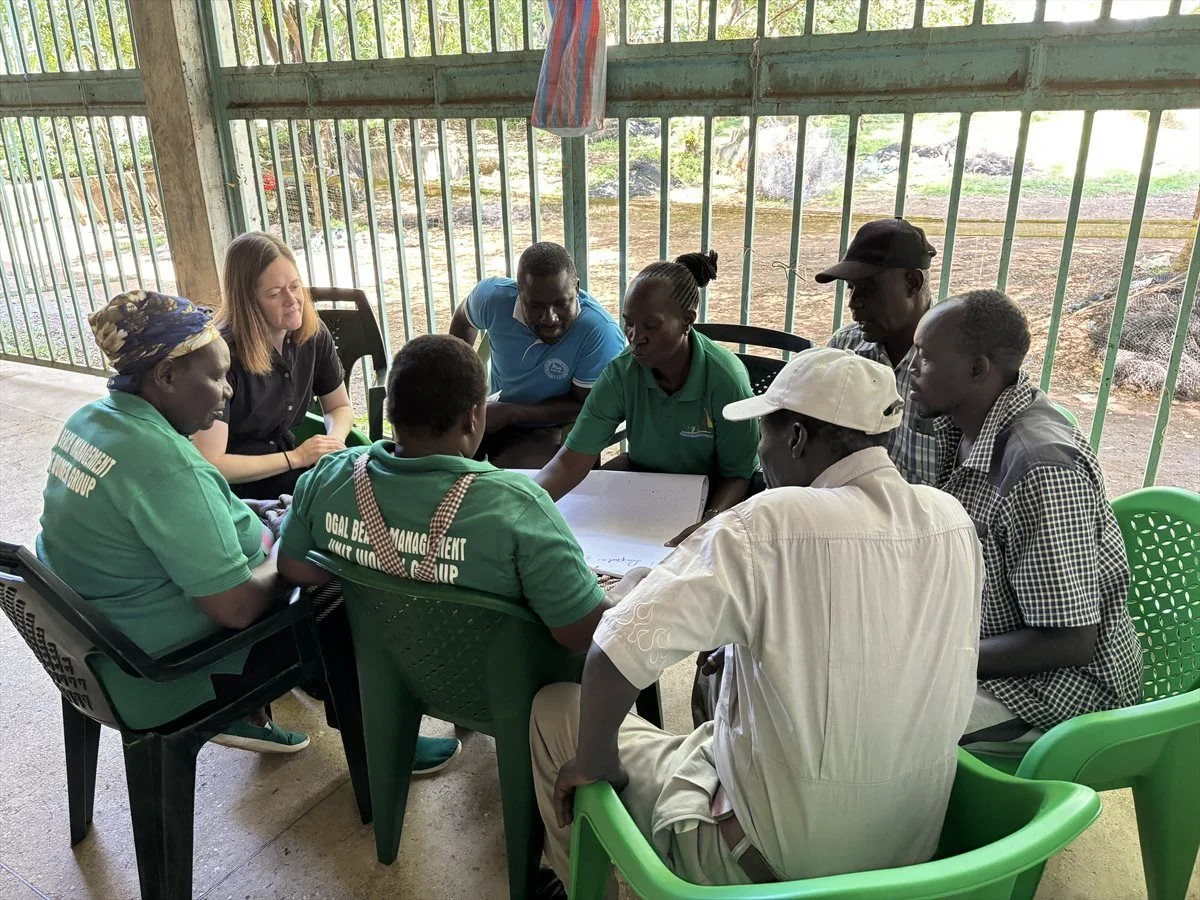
171 57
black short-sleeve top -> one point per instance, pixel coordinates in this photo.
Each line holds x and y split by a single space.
265 408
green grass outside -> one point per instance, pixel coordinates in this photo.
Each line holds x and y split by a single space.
1113 184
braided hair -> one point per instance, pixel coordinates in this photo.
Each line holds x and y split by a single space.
684 277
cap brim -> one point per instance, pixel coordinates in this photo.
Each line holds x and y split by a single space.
848 270
750 408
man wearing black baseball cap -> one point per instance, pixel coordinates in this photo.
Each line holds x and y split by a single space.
887 268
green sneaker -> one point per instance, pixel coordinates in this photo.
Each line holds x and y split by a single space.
434 754
262 739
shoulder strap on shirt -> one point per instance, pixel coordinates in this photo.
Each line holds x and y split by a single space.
377 530
443 518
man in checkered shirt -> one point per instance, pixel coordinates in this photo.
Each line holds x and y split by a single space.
887 268
1056 640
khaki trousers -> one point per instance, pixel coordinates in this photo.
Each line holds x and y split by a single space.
650 756
994 728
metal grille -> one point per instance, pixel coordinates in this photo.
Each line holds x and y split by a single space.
80 201
387 140
769 131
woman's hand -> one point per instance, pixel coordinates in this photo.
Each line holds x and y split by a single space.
271 512
313 449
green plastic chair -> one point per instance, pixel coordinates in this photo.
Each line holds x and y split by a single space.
1153 748
315 424
1070 416
484 349
996 827
466 657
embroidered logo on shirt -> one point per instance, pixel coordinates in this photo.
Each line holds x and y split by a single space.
555 368
702 430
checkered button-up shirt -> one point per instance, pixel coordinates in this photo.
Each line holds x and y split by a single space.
1052 550
914 452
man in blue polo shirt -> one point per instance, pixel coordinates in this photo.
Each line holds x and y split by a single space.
549 343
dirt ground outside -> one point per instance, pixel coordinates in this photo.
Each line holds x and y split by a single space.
1095 269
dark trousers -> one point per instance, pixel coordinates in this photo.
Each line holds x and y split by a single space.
333 631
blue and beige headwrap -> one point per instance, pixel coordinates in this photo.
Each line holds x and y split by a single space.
139 329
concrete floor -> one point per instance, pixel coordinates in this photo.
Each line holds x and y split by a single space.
287 828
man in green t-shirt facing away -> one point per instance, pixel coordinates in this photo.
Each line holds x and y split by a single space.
507 537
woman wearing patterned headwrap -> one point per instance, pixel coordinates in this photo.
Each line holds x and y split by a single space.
144 528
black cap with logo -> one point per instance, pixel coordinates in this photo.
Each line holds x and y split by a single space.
882 244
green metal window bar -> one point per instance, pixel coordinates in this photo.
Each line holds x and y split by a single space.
375 109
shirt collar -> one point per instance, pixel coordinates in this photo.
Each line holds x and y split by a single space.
693 388
284 360
1013 401
519 316
853 467
878 352
139 408
384 453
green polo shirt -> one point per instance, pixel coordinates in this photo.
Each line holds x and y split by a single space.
138 523
507 539
683 433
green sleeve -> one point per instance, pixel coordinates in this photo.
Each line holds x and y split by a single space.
296 538
186 521
736 442
602 413
555 578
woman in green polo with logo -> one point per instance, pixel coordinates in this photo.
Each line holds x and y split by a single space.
146 530
142 527
669 387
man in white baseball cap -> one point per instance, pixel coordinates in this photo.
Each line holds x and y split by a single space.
846 604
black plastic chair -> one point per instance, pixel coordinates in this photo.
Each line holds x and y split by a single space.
66 634
761 369
356 334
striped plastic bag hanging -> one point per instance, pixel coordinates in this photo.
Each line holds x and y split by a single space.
571 88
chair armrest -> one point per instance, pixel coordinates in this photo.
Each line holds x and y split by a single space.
1063 751
600 818
209 650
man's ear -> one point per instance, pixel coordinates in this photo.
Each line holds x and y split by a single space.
981 367
797 440
914 280
475 421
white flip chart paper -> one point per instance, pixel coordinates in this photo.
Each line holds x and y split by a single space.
623 519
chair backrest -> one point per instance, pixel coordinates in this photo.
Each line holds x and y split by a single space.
467 656
1161 529
996 827
313 423
54 621
761 369
1067 414
355 331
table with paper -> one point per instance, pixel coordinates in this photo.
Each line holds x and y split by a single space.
623 519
